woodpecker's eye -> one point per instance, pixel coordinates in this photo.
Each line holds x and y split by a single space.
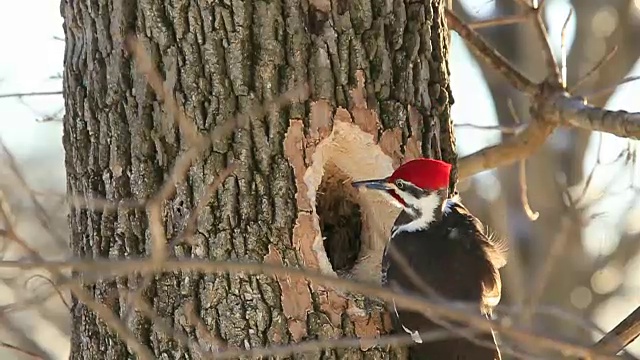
399 184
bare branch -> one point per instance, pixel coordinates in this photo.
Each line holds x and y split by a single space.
609 89
559 109
507 20
622 335
563 48
20 350
502 129
574 111
541 279
348 342
532 215
605 59
550 59
36 93
411 302
490 56
515 148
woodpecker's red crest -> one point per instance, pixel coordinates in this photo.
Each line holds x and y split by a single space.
427 174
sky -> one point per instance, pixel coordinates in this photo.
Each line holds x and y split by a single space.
30 39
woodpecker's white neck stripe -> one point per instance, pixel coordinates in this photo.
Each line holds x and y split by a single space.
427 206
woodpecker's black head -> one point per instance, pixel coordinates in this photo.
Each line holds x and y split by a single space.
418 186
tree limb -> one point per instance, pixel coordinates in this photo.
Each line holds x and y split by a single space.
621 336
515 148
576 112
483 50
552 106
549 112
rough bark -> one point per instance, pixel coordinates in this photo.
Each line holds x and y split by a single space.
385 58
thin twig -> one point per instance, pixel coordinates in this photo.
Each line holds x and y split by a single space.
541 30
213 341
35 93
49 281
203 200
20 350
532 215
605 91
42 215
541 279
490 56
605 59
502 129
563 49
342 343
507 20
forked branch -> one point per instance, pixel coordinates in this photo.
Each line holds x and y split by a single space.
551 105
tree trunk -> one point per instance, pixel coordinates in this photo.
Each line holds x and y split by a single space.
378 84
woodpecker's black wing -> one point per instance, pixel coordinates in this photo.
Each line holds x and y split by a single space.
455 257
494 248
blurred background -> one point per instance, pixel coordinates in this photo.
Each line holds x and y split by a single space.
571 271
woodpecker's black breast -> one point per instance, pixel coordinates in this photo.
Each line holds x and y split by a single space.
459 261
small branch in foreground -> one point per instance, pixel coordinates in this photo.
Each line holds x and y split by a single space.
503 129
507 20
411 302
37 93
621 336
344 343
21 351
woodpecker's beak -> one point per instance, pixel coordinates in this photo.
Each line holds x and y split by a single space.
380 184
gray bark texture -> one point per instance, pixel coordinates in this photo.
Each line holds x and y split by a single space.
220 59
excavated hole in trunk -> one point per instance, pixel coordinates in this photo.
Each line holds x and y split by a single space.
340 219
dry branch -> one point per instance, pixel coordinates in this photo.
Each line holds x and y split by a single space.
35 93
576 112
552 105
621 336
411 302
483 50
515 148
20 350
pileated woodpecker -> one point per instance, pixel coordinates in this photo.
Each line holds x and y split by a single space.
447 248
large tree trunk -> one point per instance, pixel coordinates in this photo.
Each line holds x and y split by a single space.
378 84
